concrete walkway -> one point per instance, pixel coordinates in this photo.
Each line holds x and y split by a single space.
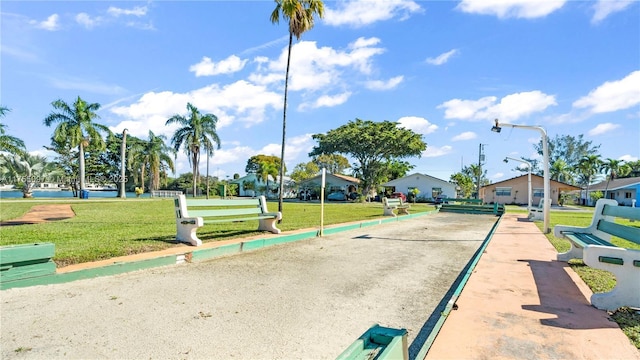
520 303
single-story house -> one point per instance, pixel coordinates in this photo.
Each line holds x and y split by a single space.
624 191
251 185
332 182
430 187
516 190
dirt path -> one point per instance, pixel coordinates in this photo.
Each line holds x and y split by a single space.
42 213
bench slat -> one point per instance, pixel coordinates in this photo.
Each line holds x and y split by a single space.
224 212
585 239
222 202
226 220
622 212
626 232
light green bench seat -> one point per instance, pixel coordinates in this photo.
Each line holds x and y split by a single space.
391 204
593 245
192 214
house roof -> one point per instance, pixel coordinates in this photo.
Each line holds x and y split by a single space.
414 174
347 178
615 184
565 185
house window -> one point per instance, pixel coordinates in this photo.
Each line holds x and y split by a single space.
503 191
435 192
538 193
627 195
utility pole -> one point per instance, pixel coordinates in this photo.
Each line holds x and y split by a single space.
480 160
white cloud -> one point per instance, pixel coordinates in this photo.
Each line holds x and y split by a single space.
442 58
433 151
239 102
467 135
510 107
602 128
326 101
417 124
51 24
384 85
206 67
604 8
628 158
613 95
497 176
527 9
465 109
136 11
87 21
314 68
359 13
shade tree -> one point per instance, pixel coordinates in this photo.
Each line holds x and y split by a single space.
371 144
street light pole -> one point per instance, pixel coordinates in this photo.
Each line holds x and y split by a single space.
546 204
506 159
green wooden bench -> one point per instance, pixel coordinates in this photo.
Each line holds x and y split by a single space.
496 209
391 204
379 343
467 201
19 262
192 214
593 245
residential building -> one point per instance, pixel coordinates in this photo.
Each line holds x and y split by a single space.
429 187
333 183
624 190
516 190
251 185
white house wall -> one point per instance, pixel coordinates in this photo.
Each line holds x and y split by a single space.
425 184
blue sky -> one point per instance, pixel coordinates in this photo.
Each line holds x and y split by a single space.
445 69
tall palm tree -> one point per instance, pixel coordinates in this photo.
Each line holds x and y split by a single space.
8 143
152 155
611 168
76 127
300 15
588 167
266 169
560 171
198 132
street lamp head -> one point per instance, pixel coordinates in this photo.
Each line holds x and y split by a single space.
506 160
496 127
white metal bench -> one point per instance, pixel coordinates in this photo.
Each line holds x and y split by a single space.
391 204
593 245
192 214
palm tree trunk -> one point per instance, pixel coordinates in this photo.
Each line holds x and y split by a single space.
195 172
284 126
207 174
142 178
81 167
